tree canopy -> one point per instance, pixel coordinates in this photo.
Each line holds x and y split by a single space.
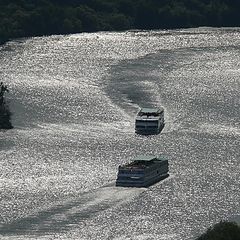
22 18
222 231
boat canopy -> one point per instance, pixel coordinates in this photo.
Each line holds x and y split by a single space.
145 158
151 110
148 158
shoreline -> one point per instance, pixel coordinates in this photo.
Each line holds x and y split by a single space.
4 41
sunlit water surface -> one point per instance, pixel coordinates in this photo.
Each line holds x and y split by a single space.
74 99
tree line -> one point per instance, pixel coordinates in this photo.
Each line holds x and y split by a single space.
23 18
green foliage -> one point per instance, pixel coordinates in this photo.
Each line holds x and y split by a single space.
222 231
20 18
89 18
119 21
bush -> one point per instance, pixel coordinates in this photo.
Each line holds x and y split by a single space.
222 231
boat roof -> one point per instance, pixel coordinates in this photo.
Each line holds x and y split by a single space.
144 158
151 110
147 158
143 161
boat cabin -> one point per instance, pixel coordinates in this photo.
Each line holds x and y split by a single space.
149 121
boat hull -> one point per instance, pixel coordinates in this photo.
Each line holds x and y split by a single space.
141 183
147 131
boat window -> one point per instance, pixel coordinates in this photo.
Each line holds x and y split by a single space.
140 126
148 114
140 122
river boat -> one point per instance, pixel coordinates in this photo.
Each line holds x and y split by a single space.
149 121
142 171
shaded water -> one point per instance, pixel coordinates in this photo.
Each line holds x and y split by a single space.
74 100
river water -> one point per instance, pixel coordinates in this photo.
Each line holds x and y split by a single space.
74 99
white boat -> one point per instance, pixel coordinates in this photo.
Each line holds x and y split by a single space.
143 171
149 121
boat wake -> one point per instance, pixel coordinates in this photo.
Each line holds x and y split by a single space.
71 213
148 236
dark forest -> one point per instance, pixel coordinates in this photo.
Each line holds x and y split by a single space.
24 18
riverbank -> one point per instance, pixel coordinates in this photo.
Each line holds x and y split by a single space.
5 117
5 114
3 41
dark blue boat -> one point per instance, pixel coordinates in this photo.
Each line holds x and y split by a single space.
143 171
